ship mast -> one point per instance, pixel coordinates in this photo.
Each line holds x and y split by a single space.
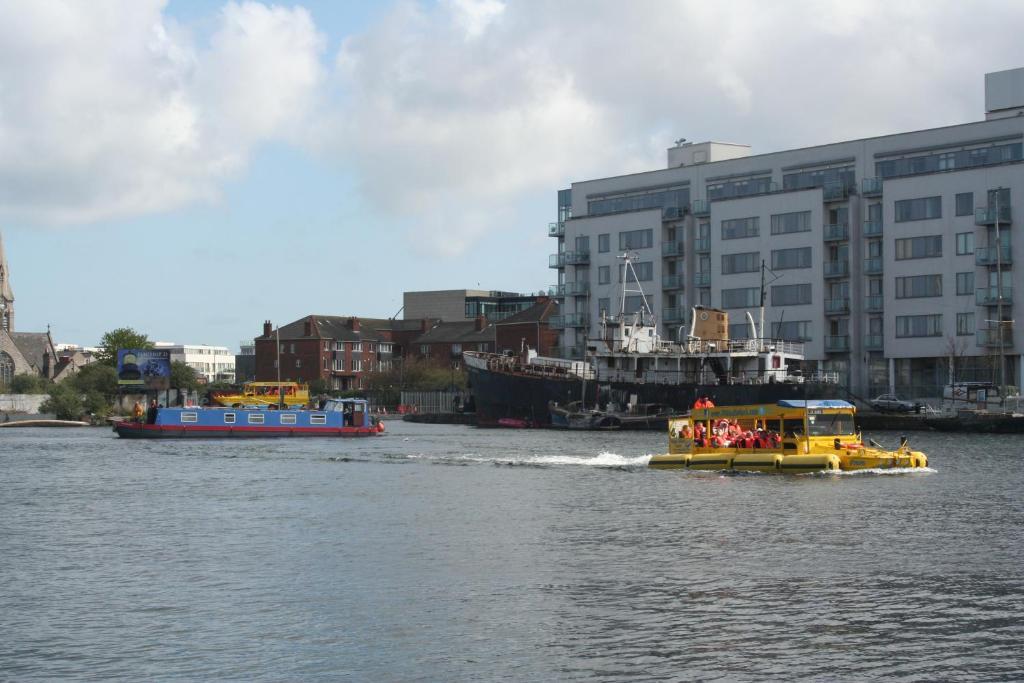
999 304
760 331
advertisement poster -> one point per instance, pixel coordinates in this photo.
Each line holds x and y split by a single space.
144 369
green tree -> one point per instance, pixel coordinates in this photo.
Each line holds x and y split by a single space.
28 383
319 387
95 377
65 402
183 376
121 338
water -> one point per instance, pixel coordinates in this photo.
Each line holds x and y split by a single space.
451 553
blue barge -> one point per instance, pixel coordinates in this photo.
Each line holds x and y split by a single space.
347 417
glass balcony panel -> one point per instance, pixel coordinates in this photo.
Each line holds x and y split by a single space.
701 207
672 249
675 314
837 343
873 266
989 296
556 229
702 279
872 228
873 303
988 215
702 244
837 232
989 338
672 281
987 256
839 305
836 191
556 260
576 288
871 187
837 268
873 342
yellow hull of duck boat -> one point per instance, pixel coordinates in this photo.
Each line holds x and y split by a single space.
777 463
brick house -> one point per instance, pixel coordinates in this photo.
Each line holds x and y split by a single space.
337 349
529 327
445 341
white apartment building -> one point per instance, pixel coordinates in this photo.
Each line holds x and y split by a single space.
880 253
214 363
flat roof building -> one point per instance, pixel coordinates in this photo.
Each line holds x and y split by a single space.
892 258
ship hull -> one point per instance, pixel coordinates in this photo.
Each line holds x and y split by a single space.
510 395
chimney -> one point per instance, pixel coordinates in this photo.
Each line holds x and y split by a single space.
268 329
307 328
481 323
353 324
425 325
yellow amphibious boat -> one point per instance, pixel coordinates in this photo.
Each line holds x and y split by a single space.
790 436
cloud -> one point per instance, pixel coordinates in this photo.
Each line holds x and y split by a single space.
111 109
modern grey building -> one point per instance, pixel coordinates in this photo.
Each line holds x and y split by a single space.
881 253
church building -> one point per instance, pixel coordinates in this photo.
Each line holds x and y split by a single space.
21 352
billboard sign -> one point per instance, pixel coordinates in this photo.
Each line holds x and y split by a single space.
144 369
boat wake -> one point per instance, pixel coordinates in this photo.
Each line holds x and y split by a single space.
604 460
875 470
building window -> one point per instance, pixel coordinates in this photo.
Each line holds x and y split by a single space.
918 209
783 259
636 239
741 297
298 362
967 158
357 346
633 304
965 204
357 365
784 223
792 330
255 418
791 295
287 418
748 262
385 348
918 286
964 243
738 228
604 243
919 325
819 177
291 348
739 331
229 418
965 283
919 247
456 349
964 324
604 275
644 271
424 349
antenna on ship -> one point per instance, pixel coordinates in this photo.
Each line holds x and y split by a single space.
627 258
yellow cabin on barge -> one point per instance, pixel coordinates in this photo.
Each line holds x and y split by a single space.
790 436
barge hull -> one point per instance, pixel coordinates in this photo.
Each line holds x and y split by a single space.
137 431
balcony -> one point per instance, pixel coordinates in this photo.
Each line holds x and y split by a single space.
835 191
989 338
837 306
574 289
569 258
700 207
673 213
837 232
560 322
837 268
873 266
873 342
556 291
556 229
989 296
872 228
669 249
672 281
871 187
673 315
702 279
702 245
873 304
986 256
837 343
988 216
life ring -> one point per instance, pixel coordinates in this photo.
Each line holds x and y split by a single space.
380 426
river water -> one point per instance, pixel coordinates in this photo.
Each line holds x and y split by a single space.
441 553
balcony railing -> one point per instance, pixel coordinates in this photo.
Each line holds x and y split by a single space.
988 215
672 213
835 191
702 245
672 281
702 279
569 258
570 289
873 265
989 296
560 322
837 306
837 343
873 342
556 229
872 228
700 207
874 303
837 268
989 338
986 256
871 187
837 232
673 249
675 314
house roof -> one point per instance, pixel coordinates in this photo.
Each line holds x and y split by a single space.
340 328
539 312
456 332
33 346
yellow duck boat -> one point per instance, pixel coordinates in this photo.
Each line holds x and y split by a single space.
263 393
790 436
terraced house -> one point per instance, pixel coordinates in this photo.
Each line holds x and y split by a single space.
893 258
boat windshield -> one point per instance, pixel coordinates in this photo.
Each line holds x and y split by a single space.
836 424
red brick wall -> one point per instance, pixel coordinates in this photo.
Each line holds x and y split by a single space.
511 336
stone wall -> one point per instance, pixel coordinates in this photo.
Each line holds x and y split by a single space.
21 403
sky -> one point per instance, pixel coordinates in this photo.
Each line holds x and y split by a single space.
191 169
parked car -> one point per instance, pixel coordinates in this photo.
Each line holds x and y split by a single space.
890 403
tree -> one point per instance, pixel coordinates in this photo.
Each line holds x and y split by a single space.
65 402
319 387
28 383
97 378
121 338
183 376
90 391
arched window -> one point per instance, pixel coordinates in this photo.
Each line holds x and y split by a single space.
6 370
